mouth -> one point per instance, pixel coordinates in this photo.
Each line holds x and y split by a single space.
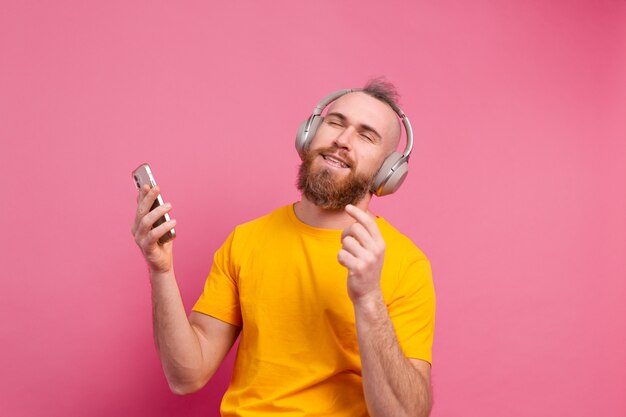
335 161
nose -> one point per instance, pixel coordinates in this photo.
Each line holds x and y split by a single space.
344 138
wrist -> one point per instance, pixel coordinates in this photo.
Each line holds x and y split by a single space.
370 304
158 275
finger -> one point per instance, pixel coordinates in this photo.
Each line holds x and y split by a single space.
152 237
155 234
347 260
141 195
150 194
158 212
149 219
358 232
364 219
142 191
352 246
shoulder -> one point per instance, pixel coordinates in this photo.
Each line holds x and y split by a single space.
278 218
407 276
249 235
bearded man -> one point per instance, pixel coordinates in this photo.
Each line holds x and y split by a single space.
333 306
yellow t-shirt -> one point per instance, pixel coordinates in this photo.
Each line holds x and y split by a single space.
280 281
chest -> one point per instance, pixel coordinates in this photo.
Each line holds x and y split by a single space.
293 290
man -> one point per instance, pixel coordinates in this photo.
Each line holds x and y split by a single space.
335 308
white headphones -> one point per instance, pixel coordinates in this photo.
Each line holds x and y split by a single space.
395 168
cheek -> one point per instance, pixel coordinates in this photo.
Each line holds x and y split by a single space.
370 166
321 136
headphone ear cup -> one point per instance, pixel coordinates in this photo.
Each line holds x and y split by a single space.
301 138
391 174
304 135
395 180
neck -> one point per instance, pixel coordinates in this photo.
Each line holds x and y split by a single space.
316 216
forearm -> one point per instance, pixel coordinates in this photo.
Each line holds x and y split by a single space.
175 339
391 384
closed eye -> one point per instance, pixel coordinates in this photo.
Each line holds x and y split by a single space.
367 137
334 122
366 132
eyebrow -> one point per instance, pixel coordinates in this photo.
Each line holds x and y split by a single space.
361 126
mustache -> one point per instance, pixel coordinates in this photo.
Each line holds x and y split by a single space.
334 150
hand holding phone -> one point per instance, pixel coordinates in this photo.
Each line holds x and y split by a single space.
143 176
153 228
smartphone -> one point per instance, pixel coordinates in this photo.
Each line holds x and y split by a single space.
143 175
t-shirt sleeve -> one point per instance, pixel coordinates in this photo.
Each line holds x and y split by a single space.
412 310
220 298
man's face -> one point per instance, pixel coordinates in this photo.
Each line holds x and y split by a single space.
356 136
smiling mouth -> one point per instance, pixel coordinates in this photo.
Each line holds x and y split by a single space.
335 162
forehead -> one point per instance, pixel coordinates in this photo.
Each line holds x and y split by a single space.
361 108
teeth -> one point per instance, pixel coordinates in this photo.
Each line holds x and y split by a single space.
336 161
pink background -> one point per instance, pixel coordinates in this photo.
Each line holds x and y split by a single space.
517 190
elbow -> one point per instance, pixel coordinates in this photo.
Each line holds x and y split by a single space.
184 389
181 388
186 380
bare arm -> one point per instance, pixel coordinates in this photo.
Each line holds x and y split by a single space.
190 349
393 384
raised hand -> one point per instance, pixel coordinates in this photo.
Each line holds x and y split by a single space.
363 254
158 257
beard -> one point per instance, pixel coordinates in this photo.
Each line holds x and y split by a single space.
322 188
